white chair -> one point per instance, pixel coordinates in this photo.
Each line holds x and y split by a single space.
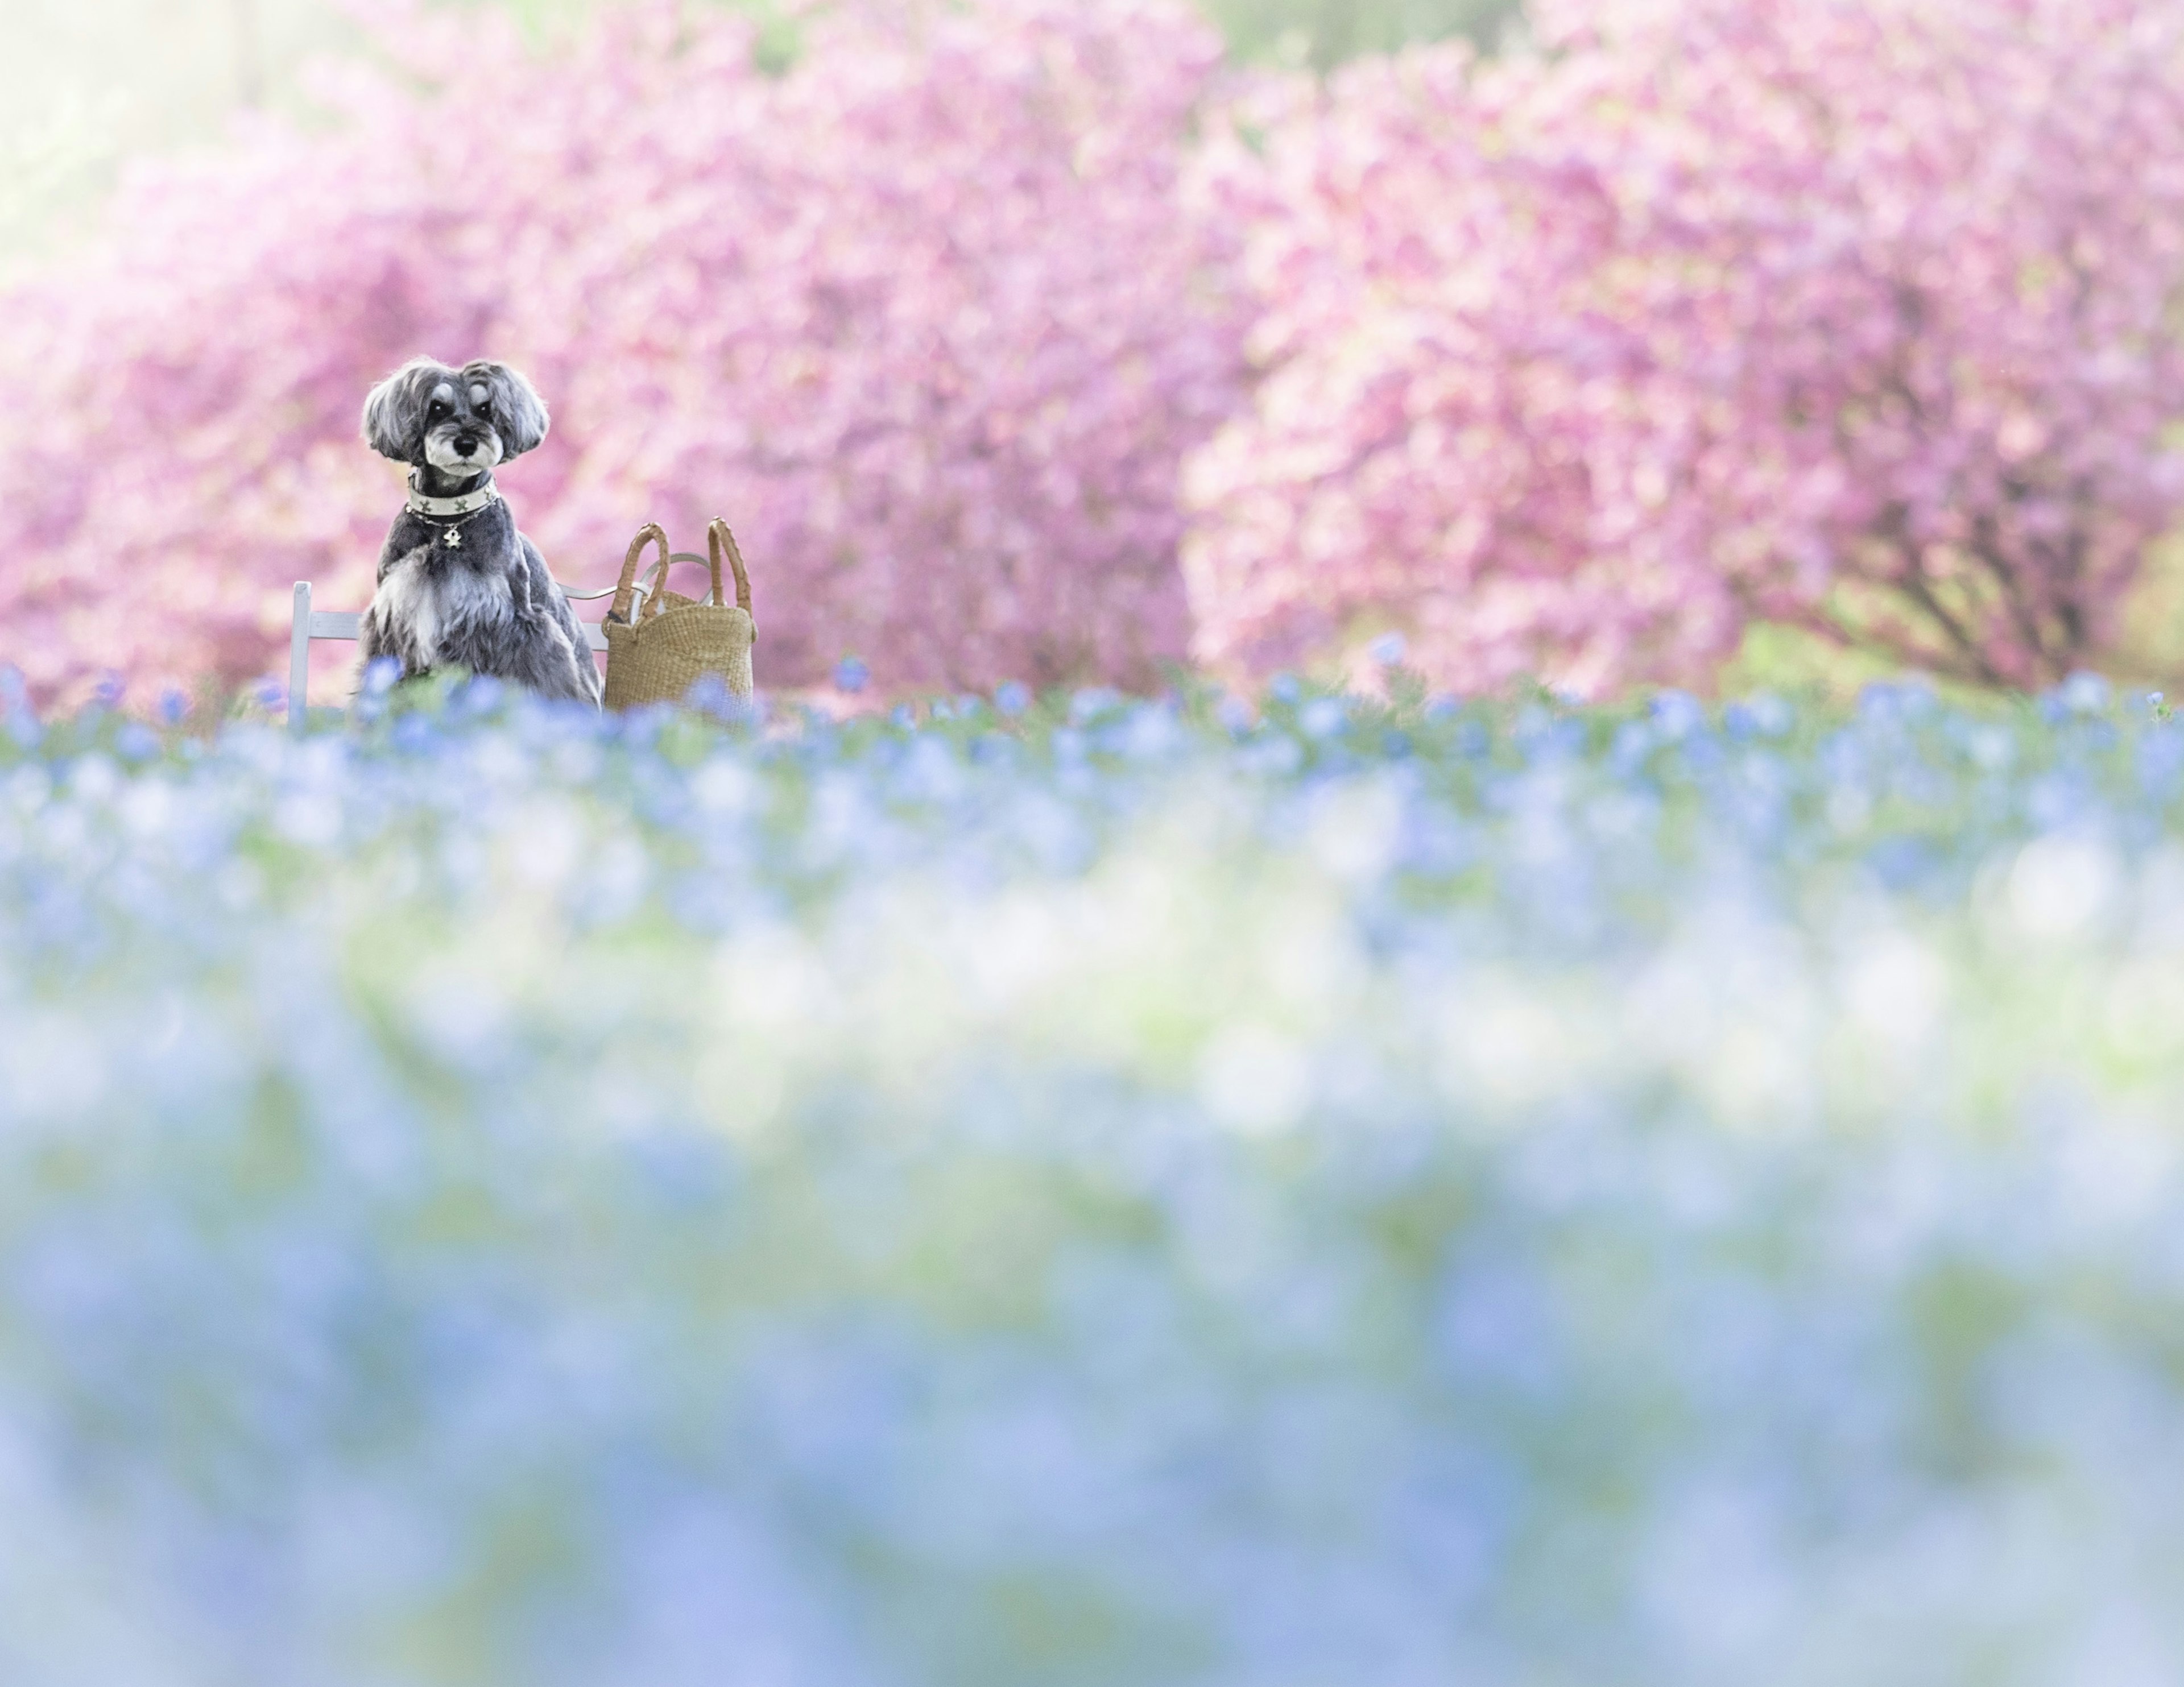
306 624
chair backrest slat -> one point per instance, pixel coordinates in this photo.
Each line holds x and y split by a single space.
306 624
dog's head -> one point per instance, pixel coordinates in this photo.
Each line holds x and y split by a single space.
460 422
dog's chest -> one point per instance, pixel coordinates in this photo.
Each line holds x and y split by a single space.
443 605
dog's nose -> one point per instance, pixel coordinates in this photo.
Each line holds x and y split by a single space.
466 443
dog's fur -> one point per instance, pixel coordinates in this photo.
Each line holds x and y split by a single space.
484 602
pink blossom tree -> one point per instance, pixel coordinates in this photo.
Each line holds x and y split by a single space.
922 316
1855 313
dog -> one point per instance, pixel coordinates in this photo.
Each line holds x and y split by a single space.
457 585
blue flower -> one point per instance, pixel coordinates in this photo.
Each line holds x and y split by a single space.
1677 713
2085 694
851 675
1092 702
1323 717
709 694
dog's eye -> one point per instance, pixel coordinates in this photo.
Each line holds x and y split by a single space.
438 407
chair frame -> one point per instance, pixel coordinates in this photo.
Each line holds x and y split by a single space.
306 624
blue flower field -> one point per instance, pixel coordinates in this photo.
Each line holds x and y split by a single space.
1095 1191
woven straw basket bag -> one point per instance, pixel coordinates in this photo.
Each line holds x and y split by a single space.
674 642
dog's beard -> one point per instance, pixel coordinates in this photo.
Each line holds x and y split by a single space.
441 453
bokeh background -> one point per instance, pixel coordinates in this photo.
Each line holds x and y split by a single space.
158 76
1607 343
86 87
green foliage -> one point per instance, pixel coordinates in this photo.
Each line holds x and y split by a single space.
1322 32
2150 642
1800 662
1327 32
2149 652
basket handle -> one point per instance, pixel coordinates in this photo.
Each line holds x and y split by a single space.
650 532
718 538
654 590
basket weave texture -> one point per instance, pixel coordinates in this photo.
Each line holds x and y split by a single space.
673 642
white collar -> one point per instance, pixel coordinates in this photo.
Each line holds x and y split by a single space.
463 503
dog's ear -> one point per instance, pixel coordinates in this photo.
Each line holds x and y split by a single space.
519 413
394 414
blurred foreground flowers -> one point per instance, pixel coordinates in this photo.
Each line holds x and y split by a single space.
1107 1192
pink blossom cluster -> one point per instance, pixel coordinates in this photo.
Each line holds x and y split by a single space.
1858 314
922 317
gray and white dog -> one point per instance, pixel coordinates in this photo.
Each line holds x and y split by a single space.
458 585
